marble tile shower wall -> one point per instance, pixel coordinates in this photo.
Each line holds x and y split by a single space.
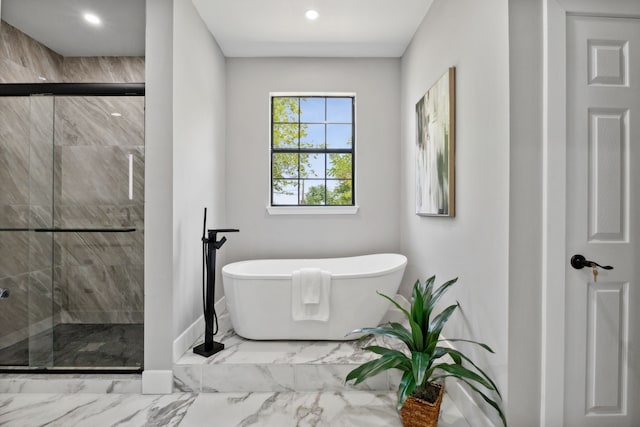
98 276
104 69
24 60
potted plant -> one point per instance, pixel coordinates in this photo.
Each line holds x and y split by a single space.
423 362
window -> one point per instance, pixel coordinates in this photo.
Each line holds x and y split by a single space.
312 150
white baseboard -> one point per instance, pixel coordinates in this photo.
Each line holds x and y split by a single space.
186 339
157 382
196 330
463 400
467 407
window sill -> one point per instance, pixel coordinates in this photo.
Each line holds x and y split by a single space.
312 210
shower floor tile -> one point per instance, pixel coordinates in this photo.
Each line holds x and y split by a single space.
73 345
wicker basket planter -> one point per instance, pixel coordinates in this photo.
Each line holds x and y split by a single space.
420 413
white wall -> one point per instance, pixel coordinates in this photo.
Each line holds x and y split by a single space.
184 171
158 236
525 222
375 228
198 154
474 246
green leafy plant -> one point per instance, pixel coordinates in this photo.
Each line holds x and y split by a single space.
424 361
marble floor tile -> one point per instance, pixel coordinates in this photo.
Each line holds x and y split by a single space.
242 351
187 378
333 377
95 410
248 377
262 366
346 409
321 409
268 409
241 409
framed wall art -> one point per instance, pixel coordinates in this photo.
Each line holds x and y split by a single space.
435 144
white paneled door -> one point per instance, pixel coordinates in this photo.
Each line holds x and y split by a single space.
602 354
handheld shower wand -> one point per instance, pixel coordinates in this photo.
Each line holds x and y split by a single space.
210 244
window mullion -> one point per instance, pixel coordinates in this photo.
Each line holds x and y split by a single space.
300 195
326 154
313 151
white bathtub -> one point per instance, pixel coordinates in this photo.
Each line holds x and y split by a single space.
258 296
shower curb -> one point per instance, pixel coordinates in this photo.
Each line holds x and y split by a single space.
71 383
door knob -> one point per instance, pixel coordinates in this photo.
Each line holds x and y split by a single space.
578 262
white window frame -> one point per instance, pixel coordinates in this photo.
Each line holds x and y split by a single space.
314 210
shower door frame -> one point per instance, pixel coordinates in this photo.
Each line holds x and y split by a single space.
71 89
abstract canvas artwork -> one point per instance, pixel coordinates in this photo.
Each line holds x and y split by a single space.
435 127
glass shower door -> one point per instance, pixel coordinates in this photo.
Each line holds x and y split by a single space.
71 232
99 240
26 204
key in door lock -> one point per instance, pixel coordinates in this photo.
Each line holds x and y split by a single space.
579 262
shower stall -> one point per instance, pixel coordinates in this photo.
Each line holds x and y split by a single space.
71 226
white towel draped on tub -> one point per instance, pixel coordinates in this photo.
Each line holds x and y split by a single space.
310 294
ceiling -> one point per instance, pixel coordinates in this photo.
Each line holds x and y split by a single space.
58 24
345 28
242 28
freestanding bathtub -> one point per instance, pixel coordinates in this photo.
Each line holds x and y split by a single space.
258 295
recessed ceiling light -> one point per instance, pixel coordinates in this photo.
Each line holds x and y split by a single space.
42 78
116 114
92 18
311 14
